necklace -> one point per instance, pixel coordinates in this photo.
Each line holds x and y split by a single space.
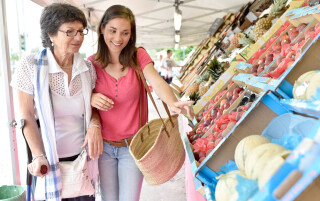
67 67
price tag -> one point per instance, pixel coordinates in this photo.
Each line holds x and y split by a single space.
243 65
194 121
251 17
215 26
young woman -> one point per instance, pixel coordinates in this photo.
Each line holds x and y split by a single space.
117 98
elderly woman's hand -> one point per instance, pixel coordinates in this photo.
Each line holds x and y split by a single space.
183 107
101 102
94 141
35 166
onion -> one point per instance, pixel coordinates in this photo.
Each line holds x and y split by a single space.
272 166
258 158
245 146
226 186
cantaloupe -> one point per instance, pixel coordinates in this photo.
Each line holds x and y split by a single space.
245 146
258 158
226 186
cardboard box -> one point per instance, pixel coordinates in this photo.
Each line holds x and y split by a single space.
214 89
251 49
303 16
298 178
259 115
308 61
256 4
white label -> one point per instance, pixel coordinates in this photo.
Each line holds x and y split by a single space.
301 89
225 40
231 36
251 17
237 30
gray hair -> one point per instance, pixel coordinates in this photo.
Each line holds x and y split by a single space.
56 14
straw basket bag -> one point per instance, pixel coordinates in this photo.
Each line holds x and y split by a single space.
157 147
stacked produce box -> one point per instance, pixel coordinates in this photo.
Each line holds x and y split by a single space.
256 131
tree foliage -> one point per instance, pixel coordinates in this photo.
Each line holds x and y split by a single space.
177 54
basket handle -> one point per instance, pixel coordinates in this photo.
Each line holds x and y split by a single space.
142 78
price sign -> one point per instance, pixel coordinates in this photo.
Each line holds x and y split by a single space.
215 26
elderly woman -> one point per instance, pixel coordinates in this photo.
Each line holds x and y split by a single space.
55 87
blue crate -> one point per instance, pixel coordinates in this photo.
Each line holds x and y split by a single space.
304 162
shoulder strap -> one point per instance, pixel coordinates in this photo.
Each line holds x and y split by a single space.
142 78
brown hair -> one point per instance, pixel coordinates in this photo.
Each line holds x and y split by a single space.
128 56
56 14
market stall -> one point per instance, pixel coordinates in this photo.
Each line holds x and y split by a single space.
256 131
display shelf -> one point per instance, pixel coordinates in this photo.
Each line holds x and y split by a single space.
298 178
222 82
193 162
243 67
249 52
246 54
195 55
263 110
308 61
302 15
242 78
311 108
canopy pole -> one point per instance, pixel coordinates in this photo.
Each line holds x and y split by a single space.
4 50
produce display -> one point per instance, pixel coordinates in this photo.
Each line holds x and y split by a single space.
226 186
245 146
274 48
202 83
258 158
219 120
272 165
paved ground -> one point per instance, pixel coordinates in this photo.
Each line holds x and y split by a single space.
173 190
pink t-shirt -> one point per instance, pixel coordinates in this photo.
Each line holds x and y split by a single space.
122 121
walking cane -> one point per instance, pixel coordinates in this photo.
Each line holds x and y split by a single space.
29 155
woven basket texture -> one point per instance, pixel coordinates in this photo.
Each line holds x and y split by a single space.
158 156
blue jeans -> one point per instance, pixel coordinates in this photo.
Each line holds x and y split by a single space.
120 178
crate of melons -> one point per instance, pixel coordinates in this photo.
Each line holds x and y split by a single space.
263 172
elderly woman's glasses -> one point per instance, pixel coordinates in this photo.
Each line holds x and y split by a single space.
72 33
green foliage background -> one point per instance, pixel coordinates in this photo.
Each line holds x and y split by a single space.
178 53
